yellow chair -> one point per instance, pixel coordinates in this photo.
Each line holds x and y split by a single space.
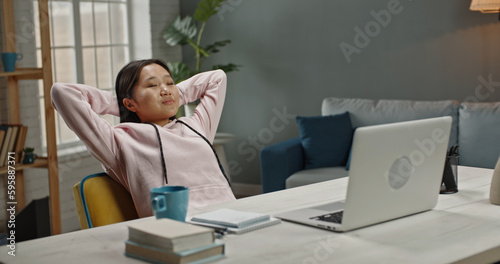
102 201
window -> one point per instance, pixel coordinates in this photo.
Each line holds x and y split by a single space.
90 44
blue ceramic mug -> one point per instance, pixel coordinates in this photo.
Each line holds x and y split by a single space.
170 202
29 158
9 60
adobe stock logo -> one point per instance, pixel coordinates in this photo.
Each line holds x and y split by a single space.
372 29
254 144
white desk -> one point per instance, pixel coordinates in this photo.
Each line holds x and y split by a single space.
464 228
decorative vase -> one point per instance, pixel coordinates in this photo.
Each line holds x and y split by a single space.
495 185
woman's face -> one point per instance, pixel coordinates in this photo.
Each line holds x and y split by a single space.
155 98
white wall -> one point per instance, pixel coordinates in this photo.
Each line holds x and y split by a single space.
75 165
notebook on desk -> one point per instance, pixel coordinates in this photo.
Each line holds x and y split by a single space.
234 221
395 171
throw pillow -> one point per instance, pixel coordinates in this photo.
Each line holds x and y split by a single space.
326 139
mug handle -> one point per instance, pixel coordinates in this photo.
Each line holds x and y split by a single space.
157 201
35 156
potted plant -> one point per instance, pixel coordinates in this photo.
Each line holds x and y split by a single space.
189 31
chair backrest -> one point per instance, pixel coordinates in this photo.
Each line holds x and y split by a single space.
102 201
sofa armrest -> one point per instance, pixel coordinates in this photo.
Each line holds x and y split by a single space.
278 162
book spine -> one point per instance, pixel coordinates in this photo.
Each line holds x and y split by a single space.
157 255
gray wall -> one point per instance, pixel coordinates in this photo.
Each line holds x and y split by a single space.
292 59
162 12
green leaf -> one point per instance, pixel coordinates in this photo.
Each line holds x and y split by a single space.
179 70
227 67
180 31
198 48
214 47
29 150
206 9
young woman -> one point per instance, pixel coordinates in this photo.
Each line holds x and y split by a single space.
150 147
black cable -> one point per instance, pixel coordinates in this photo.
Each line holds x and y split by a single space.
208 142
161 151
199 134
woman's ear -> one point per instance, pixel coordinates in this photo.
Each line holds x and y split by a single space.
129 104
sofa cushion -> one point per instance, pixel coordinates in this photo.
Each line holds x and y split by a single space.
479 127
326 140
305 177
367 112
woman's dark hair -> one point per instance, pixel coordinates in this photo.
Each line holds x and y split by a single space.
126 80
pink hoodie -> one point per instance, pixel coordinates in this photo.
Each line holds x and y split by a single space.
129 152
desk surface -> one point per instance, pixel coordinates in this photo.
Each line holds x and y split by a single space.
464 227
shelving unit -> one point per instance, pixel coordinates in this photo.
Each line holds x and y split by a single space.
45 74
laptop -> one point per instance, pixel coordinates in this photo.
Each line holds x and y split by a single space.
396 170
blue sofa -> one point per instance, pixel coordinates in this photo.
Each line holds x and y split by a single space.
475 128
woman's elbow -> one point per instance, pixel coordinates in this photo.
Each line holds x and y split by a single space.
55 91
58 91
220 74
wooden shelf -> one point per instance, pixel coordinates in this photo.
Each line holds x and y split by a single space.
40 162
24 73
44 74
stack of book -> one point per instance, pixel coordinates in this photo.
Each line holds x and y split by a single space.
170 241
12 139
234 221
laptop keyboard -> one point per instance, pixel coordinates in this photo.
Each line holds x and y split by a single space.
335 217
